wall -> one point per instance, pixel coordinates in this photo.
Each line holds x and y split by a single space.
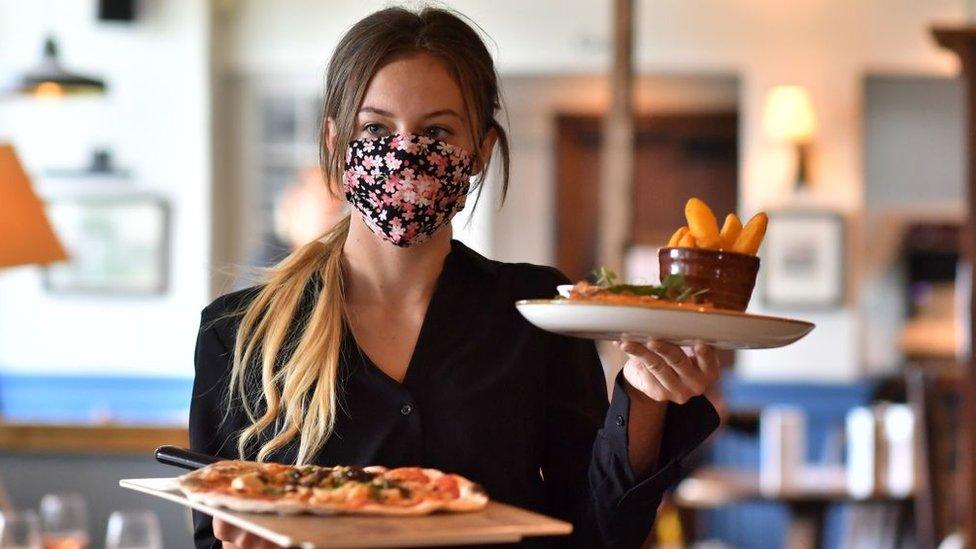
155 118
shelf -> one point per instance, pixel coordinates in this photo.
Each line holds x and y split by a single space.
88 439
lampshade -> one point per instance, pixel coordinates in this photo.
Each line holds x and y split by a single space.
26 237
49 79
788 115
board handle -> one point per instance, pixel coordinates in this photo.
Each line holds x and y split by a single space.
184 458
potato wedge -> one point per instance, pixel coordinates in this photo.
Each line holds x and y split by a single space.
752 235
731 230
676 237
687 241
702 224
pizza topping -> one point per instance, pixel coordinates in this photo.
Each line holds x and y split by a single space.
408 474
357 474
447 486
249 482
313 478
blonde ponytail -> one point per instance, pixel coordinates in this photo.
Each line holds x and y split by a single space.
299 379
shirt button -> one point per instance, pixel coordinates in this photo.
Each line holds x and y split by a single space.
620 421
406 409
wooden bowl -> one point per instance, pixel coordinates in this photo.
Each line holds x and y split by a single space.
729 277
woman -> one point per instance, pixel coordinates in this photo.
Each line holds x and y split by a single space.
386 342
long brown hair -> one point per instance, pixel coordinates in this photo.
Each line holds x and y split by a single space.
298 371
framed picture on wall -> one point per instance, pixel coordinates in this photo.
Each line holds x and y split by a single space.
117 245
803 260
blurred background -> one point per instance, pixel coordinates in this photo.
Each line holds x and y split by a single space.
173 145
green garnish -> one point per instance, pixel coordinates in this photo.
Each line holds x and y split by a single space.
672 288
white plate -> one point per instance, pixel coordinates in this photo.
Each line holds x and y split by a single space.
683 326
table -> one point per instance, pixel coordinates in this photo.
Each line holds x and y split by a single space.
808 500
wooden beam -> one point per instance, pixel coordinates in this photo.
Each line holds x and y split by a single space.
617 158
962 41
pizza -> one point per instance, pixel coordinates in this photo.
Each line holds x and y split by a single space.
249 486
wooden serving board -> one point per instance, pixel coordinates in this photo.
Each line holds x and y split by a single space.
497 523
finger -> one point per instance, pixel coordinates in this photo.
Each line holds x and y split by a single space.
659 367
644 381
693 377
707 360
669 351
222 530
253 541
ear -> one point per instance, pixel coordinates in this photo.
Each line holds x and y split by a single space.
487 146
330 136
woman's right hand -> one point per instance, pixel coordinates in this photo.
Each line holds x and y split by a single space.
237 538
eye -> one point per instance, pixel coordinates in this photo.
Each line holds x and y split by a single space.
437 132
374 130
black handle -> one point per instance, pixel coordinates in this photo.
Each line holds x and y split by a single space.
181 457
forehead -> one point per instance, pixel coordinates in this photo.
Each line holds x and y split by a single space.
413 86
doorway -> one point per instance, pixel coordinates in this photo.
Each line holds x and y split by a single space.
677 156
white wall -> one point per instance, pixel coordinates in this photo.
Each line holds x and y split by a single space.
156 119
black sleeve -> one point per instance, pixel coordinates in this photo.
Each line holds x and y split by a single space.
587 467
209 432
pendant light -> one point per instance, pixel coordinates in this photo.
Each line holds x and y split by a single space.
49 79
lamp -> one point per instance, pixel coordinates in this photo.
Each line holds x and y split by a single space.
788 116
49 79
26 236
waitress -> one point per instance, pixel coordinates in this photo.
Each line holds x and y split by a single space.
385 342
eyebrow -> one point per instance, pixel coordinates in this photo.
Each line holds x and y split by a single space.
388 114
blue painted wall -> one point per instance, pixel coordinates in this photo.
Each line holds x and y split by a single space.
152 400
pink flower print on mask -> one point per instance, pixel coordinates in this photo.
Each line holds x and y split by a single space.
408 175
392 162
411 232
394 143
427 188
392 183
439 162
396 230
408 211
412 180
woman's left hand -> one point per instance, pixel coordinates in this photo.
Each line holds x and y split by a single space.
667 373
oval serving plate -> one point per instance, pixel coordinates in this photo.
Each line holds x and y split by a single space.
679 325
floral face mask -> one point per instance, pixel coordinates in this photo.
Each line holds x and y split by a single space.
407 186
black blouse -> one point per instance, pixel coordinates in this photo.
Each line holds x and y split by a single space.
487 395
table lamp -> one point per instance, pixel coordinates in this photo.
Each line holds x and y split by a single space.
26 236
788 117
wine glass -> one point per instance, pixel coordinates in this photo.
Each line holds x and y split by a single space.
133 530
20 530
64 521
